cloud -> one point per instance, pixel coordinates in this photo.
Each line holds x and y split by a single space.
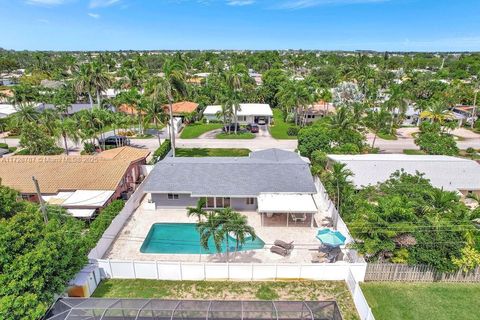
45 2
240 3
301 4
103 3
94 15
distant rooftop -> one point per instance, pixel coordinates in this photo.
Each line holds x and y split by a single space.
266 171
450 173
246 109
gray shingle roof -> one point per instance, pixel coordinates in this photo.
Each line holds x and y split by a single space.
264 171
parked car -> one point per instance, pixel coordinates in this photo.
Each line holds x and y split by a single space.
231 127
253 127
261 121
115 141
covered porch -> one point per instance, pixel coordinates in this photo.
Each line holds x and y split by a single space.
287 210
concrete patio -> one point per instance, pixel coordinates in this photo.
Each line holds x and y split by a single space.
128 243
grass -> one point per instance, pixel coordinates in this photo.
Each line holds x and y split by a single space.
413 152
204 152
473 156
221 290
279 129
387 136
194 130
239 135
412 301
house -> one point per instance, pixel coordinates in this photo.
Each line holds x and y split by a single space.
464 114
6 110
179 109
316 111
271 182
411 116
450 173
248 113
81 184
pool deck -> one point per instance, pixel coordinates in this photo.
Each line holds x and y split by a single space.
130 239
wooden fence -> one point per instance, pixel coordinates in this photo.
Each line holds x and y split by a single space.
420 273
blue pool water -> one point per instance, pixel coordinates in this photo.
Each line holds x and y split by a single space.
184 238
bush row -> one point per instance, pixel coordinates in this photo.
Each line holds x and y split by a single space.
161 152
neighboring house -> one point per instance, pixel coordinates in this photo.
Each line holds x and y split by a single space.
270 182
248 113
464 114
450 173
74 108
179 109
81 184
111 93
6 110
316 111
411 117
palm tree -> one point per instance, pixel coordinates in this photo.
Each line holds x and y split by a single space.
339 179
67 129
342 119
197 211
377 120
235 81
437 112
238 227
25 112
83 81
173 83
295 94
100 80
210 229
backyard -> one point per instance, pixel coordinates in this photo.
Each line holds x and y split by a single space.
220 290
280 128
205 152
412 301
194 130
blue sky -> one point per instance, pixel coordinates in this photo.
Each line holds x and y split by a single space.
418 25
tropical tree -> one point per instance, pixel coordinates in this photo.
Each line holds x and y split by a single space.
377 120
83 81
238 227
173 84
100 79
68 130
210 229
198 211
437 112
235 79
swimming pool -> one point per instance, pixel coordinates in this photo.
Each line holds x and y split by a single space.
183 238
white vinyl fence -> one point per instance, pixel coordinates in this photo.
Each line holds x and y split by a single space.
363 309
163 270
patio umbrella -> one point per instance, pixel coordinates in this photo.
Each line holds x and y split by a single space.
331 238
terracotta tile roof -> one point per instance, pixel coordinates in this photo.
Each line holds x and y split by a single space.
182 107
62 173
128 109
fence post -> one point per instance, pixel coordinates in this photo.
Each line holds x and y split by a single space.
228 271
133 267
276 272
156 268
181 272
110 267
252 271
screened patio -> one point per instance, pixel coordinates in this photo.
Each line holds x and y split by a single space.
280 210
147 309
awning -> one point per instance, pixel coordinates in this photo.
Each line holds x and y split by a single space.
81 213
88 198
286 203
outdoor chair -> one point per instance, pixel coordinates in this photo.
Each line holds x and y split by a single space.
284 245
280 251
299 217
319 257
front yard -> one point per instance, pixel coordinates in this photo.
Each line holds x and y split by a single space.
279 129
239 135
222 290
439 301
194 130
205 152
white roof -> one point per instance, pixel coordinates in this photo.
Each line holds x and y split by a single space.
246 109
449 173
6 110
88 198
286 203
81 213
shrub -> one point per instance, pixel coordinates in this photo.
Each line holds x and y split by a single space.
3 146
469 150
161 152
88 148
292 131
102 221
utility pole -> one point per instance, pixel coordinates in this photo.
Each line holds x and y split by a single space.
42 203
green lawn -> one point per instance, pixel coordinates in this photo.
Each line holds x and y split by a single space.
204 152
279 129
413 152
387 136
239 135
412 301
221 290
194 130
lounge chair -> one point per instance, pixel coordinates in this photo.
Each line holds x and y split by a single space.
319 257
279 250
284 245
296 217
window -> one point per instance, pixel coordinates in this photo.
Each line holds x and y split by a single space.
226 202
210 202
250 201
172 196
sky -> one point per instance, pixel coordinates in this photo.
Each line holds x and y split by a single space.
382 25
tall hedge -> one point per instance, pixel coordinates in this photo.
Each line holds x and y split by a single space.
102 221
161 152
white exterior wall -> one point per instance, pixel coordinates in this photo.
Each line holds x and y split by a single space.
184 200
